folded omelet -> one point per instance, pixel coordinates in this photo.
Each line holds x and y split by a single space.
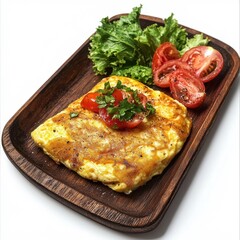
122 160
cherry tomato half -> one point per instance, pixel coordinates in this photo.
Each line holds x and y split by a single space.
143 99
206 61
161 77
187 88
116 123
119 95
165 52
89 102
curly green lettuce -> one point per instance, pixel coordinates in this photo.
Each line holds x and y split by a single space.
123 48
143 73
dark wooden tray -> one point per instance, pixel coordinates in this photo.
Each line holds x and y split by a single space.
140 211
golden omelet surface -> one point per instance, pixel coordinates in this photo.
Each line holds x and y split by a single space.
122 160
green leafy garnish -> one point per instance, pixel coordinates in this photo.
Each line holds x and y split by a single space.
197 40
126 109
136 72
74 114
123 48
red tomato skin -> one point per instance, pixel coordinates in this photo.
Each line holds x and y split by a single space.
161 77
165 52
112 123
132 123
116 123
119 95
89 102
187 88
143 99
206 62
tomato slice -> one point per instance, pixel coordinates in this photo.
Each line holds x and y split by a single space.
165 52
206 61
161 77
108 120
120 98
119 95
143 99
89 102
187 88
116 123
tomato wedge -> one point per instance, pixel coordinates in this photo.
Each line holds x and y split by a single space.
161 77
110 107
89 102
187 88
206 62
143 99
119 95
165 52
118 124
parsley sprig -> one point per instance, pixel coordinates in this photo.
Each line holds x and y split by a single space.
126 109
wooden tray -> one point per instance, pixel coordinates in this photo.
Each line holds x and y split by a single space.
140 211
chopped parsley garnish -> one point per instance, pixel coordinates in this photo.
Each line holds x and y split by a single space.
74 114
128 107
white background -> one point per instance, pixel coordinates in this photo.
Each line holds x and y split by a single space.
36 38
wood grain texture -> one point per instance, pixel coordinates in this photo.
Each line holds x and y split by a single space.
140 211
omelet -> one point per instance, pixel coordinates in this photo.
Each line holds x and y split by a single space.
121 159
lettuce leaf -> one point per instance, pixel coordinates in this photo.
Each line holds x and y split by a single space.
114 45
196 40
142 73
152 36
123 48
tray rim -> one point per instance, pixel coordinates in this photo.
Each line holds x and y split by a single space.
6 140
